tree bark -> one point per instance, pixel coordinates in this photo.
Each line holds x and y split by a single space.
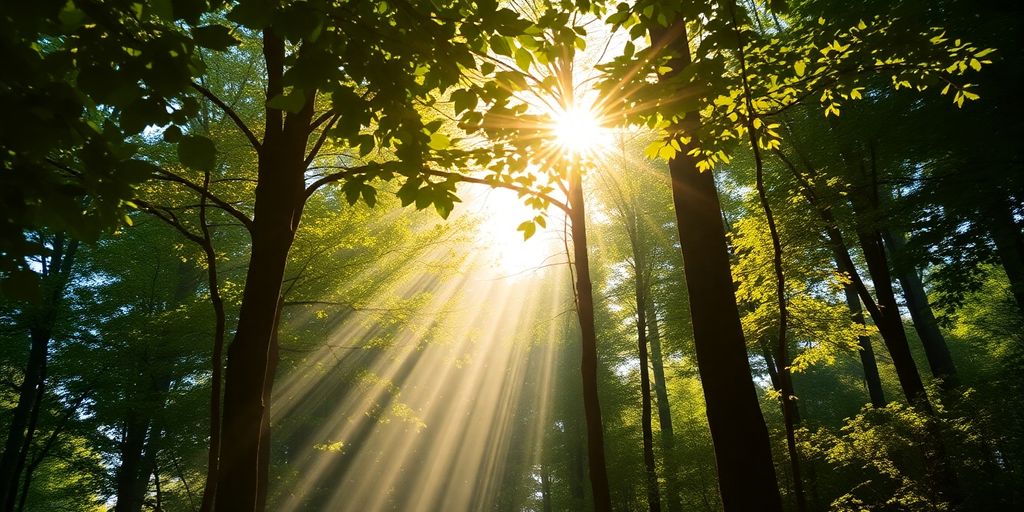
672 497
545 488
280 197
129 473
872 380
41 320
650 467
746 474
588 365
935 349
1010 247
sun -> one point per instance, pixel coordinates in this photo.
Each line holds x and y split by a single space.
579 131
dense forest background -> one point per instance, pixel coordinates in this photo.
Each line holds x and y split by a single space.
527 255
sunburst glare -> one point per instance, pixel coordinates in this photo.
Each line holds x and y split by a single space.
579 130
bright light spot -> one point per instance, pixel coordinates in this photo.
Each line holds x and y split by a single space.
502 244
578 130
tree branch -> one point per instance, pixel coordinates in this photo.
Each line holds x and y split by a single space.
230 112
224 205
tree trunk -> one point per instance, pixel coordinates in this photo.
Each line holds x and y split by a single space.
937 352
216 359
129 473
872 380
653 497
41 320
44 450
545 488
280 196
588 366
889 323
273 358
1010 247
672 497
746 474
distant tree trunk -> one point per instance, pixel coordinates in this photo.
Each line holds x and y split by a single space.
1009 246
588 367
650 467
280 197
216 358
129 473
577 454
545 487
872 380
906 369
41 319
31 385
44 450
746 474
890 324
664 413
641 287
939 360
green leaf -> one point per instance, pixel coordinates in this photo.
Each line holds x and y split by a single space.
528 228
214 37
197 152
439 141
800 66
524 59
70 16
290 102
500 46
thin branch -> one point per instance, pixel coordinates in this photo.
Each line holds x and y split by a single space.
321 139
230 113
224 205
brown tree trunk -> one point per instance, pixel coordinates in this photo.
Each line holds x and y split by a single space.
935 349
217 358
672 497
280 196
889 323
872 380
129 473
746 474
41 319
653 496
545 488
588 365
1010 247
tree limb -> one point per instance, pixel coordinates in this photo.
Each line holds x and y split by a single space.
230 112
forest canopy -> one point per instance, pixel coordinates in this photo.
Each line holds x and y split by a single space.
511 255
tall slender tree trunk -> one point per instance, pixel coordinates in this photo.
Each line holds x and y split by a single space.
889 323
41 319
588 335
280 197
31 385
672 497
1006 234
545 487
650 467
935 348
44 450
872 380
216 357
746 474
906 369
129 473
